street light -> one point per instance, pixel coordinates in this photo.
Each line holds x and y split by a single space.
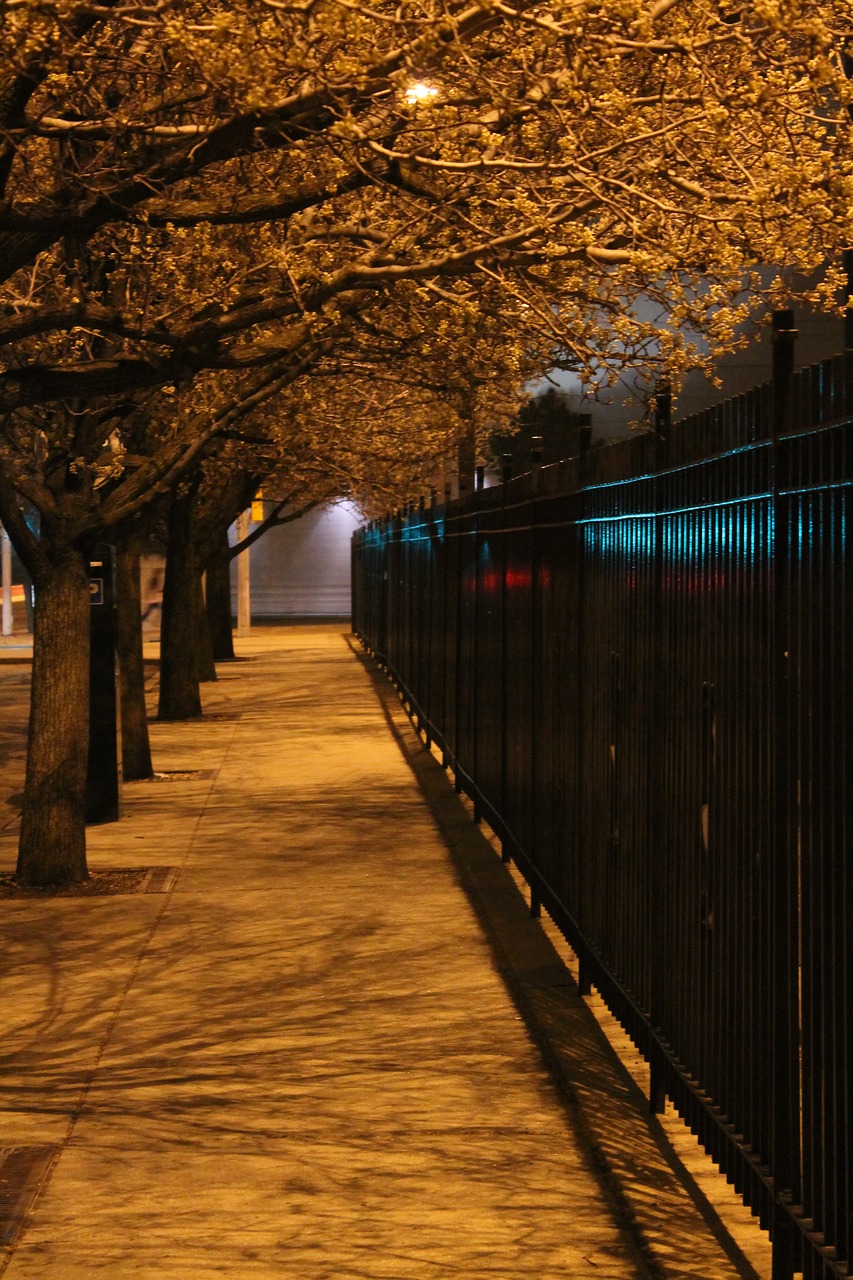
419 92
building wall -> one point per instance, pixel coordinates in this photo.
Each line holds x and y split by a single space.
820 337
302 569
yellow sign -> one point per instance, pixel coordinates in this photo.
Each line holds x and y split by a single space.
258 508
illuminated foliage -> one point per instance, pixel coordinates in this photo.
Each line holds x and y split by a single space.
198 186
370 212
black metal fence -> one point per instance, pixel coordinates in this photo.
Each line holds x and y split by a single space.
638 664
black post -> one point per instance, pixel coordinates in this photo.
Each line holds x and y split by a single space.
103 779
584 975
782 887
663 414
506 851
580 570
466 459
656 792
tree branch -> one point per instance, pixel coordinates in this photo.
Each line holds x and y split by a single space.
158 476
270 522
25 542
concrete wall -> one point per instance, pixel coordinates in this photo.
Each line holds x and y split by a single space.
302 570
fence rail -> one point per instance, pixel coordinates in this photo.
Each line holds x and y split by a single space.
638 665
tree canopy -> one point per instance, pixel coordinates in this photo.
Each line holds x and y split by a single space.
192 186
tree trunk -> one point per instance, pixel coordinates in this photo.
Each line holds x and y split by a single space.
135 745
218 601
52 848
203 644
179 692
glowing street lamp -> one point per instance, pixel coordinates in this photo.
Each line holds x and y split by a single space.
420 92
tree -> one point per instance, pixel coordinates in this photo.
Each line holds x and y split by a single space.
549 417
136 762
355 430
577 154
79 500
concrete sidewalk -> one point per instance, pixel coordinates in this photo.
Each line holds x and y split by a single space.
295 1052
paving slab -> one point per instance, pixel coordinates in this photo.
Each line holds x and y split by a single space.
304 1054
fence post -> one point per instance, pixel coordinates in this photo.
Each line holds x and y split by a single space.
535 692
578 825
506 476
429 589
656 870
782 854
474 507
458 650
466 458
421 605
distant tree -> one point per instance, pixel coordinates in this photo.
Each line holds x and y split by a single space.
80 499
550 418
